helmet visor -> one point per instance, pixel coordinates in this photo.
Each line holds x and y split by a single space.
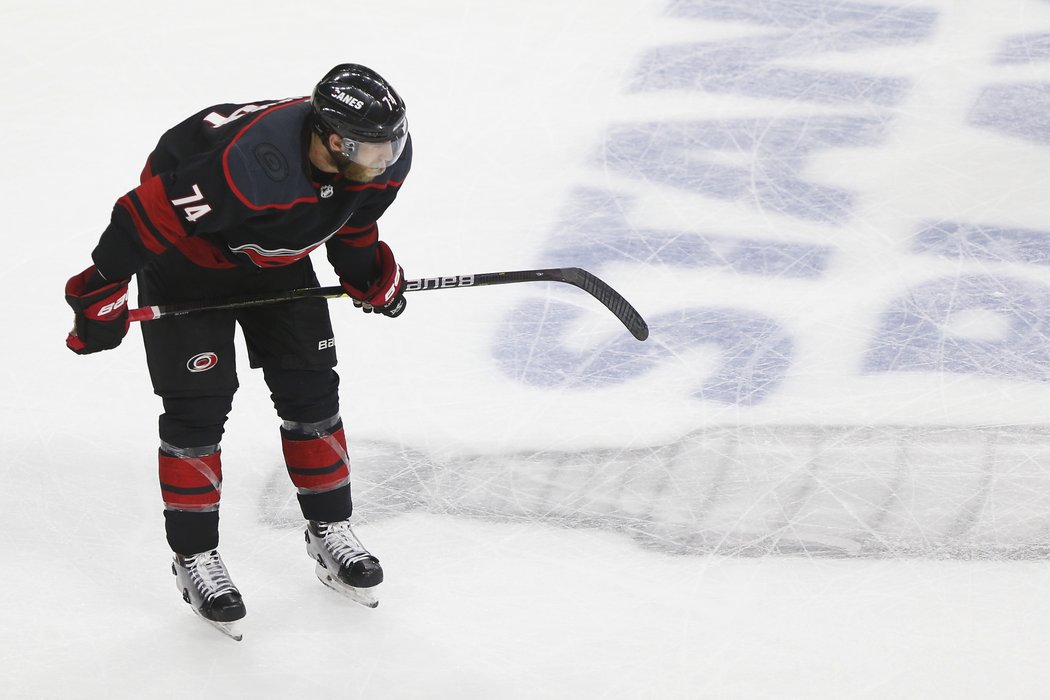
376 155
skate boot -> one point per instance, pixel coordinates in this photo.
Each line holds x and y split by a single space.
205 584
343 563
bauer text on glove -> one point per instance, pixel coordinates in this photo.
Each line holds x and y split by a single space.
100 312
386 294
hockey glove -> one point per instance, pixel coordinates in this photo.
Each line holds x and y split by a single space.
386 295
100 312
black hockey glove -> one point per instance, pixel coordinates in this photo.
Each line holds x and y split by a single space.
100 312
386 295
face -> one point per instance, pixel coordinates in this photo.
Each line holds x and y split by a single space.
348 167
363 161
374 155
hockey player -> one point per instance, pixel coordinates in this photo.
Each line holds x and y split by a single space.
231 202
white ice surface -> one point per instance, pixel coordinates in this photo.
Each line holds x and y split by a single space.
508 104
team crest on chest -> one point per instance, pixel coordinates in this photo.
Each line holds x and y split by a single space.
327 191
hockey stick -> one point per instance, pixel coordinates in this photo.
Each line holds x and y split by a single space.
575 276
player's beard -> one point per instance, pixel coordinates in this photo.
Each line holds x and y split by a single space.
355 172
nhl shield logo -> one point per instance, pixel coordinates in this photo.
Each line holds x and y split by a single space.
327 191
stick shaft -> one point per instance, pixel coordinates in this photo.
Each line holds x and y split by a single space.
575 276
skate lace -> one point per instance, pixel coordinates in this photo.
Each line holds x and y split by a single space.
343 543
210 576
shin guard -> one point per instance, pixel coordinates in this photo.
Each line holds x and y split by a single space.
190 478
191 485
319 466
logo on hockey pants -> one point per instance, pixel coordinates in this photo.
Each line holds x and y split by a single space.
202 362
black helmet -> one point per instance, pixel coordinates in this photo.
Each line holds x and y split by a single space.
356 103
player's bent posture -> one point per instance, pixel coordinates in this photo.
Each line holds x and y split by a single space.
232 201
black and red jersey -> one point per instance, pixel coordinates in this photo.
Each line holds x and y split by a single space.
233 186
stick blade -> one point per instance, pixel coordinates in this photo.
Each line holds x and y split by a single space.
610 298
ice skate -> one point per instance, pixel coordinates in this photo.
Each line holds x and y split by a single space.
343 563
205 584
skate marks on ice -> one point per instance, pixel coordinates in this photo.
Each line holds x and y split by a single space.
824 491
773 167
784 224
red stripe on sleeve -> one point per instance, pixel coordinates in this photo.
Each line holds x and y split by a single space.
159 210
204 253
355 229
358 237
148 239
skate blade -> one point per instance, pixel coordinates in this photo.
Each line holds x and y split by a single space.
361 596
230 629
